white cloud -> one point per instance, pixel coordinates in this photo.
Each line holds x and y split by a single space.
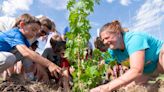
55 4
110 1
94 24
122 2
10 7
149 16
125 2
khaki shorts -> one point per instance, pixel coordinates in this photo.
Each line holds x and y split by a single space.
7 59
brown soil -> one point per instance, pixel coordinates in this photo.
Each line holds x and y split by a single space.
17 84
158 86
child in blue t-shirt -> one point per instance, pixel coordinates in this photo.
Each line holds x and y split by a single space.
14 45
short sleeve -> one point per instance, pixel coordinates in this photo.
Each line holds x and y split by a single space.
136 43
16 38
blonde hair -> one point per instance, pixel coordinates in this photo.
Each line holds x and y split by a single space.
113 27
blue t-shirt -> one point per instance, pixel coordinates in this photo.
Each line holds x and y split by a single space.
135 41
11 38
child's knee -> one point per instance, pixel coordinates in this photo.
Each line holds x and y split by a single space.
6 60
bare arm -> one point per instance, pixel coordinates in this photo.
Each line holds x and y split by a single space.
136 69
28 53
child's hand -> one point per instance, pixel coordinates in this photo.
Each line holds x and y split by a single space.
71 69
117 71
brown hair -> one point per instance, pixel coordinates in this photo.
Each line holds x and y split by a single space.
46 22
26 18
53 29
98 43
113 27
54 39
60 45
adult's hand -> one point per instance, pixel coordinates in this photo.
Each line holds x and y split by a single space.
54 70
102 88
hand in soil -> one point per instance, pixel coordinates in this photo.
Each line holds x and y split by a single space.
116 71
54 69
102 88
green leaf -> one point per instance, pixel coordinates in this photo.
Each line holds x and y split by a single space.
87 72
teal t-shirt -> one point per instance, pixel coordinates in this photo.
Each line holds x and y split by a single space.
135 41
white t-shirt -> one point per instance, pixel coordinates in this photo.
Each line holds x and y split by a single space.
44 42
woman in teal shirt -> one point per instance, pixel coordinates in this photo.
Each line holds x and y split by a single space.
144 53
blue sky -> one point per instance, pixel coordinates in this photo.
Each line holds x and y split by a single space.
137 15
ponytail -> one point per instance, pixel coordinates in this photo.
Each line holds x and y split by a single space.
113 27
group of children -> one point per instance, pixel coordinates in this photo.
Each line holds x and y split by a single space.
18 51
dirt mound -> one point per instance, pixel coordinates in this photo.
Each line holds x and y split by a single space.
158 86
18 84
30 87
